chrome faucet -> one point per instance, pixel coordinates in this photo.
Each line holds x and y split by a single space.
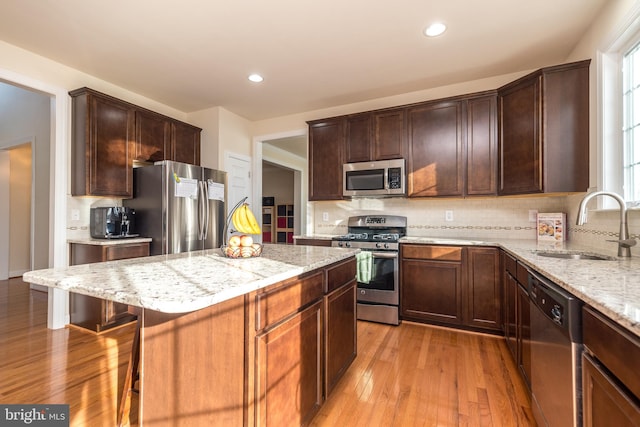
624 242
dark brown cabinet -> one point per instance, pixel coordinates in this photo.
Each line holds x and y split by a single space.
102 140
544 131
482 146
153 136
517 323
94 313
389 138
483 293
431 286
326 156
358 138
452 285
185 143
435 164
610 377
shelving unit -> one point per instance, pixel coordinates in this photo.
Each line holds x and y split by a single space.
267 224
284 224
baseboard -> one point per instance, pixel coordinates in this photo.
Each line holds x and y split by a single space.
16 273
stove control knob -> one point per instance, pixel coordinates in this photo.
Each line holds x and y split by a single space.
339 244
386 246
347 244
378 245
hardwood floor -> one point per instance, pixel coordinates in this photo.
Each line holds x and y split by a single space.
411 375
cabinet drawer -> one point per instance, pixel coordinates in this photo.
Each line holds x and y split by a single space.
340 274
275 305
510 264
117 252
442 253
616 348
522 274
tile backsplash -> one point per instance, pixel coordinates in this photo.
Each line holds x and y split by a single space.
487 217
79 229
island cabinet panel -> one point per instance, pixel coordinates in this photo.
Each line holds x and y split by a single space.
326 156
102 138
610 376
311 241
544 131
436 149
192 370
340 335
289 370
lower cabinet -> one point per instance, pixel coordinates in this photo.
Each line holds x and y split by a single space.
301 340
610 377
451 285
93 313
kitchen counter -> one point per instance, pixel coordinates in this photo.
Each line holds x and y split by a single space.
186 282
107 242
611 286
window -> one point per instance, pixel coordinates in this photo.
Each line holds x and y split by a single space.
631 123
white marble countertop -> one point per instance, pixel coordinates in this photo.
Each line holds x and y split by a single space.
190 281
108 242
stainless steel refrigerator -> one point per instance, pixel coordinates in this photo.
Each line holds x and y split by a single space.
180 206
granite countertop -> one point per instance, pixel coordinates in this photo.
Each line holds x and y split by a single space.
185 282
108 242
610 286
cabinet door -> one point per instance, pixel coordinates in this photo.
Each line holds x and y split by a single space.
389 134
289 370
511 301
436 150
326 156
358 138
103 146
185 143
520 146
153 136
483 306
605 403
523 321
431 290
339 333
482 146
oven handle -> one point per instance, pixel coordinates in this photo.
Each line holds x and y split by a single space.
387 255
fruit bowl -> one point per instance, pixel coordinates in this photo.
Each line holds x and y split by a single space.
255 250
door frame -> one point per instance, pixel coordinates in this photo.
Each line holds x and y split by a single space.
60 137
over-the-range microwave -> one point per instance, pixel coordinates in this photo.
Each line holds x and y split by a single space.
382 178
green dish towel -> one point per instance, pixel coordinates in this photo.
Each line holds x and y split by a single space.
364 260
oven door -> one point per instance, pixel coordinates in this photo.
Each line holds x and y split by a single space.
383 286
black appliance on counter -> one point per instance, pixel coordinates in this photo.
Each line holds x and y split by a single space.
377 236
114 222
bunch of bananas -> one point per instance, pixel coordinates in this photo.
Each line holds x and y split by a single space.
244 221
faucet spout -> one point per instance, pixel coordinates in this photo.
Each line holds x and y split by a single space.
624 243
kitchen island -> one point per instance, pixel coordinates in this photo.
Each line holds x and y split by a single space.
231 341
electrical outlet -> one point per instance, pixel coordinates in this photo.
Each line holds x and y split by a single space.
533 215
325 216
75 215
448 215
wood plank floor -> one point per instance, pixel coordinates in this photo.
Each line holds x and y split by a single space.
411 375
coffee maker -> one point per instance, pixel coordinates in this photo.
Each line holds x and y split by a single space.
115 222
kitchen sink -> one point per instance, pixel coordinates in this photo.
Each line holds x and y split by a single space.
575 255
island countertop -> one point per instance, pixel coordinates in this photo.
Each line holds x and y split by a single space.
180 283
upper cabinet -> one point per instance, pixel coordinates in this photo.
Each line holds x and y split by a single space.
326 156
544 131
482 145
109 134
103 141
378 135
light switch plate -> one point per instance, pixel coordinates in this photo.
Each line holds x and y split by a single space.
75 215
325 216
448 215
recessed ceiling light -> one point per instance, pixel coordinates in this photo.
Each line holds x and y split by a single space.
256 78
435 29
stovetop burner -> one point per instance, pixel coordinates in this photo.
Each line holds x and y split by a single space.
380 228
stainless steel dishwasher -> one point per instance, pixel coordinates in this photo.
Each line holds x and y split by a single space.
556 349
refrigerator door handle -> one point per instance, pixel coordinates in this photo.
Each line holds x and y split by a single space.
200 211
205 204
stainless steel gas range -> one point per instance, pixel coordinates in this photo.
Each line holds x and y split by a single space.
378 280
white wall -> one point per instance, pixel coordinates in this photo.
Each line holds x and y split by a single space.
20 211
278 183
25 116
5 166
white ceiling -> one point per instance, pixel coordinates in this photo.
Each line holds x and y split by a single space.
196 54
